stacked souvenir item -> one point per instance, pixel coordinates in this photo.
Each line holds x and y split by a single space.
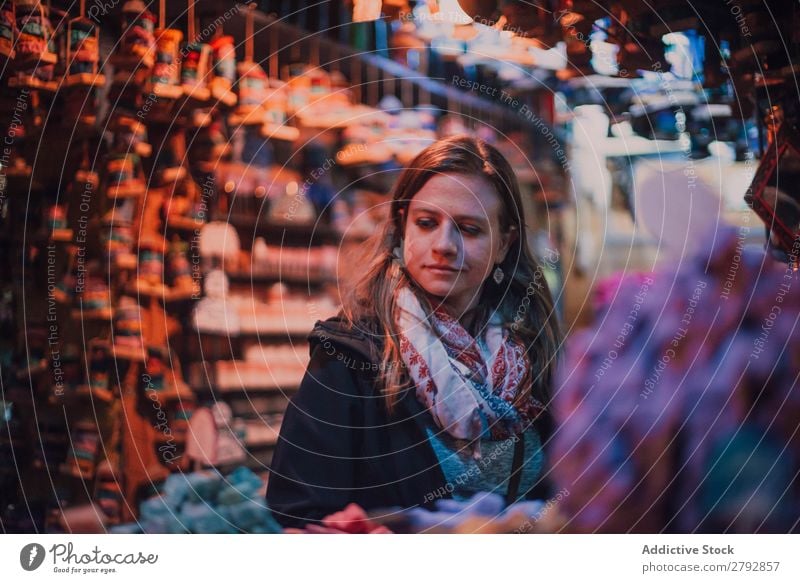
117 235
214 313
252 84
224 70
35 50
275 126
94 297
82 75
108 491
127 331
135 51
316 105
186 209
8 32
206 502
100 363
85 445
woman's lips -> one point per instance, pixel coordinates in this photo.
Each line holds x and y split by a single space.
441 269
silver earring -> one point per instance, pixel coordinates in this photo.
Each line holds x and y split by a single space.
498 275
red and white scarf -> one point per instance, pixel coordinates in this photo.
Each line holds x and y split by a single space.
467 399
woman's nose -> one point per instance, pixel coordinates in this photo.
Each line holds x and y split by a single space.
447 240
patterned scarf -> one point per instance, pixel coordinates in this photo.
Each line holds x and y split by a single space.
467 399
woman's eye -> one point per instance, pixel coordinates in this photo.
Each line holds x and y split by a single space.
469 229
425 223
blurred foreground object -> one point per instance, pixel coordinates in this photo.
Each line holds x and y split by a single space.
678 411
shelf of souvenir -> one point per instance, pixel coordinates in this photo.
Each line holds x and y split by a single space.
213 316
283 315
79 111
86 180
266 406
252 87
299 76
181 415
100 362
67 373
94 301
166 74
131 91
251 84
285 233
165 78
364 144
184 283
195 66
129 134
170 165
241 376
194 74
271 278
209 145
57 226
85 445
275 126
8 33
117 235
149 279
64 290
408 133
135 50
127 330
290 208
81 74
83 53
303 264
223 71
185 211
40 78
164 379
35 47
108 491
124 176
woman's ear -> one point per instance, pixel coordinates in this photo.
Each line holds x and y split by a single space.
507 239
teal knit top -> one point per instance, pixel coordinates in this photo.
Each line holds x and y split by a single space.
492 472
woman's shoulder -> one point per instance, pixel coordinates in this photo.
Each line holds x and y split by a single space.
360 338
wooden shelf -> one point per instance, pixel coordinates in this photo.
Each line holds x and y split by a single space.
282 233
273 278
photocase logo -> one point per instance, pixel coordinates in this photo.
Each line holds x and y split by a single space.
31 556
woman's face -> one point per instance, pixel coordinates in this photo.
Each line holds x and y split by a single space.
452 238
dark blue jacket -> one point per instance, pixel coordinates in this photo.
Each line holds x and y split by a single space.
339 444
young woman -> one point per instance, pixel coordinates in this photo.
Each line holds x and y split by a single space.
434 380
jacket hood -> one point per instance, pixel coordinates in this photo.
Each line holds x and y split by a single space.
356 339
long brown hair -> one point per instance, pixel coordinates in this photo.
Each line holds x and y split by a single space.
522 300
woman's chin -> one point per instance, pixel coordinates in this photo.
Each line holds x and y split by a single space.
437 290
443 295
